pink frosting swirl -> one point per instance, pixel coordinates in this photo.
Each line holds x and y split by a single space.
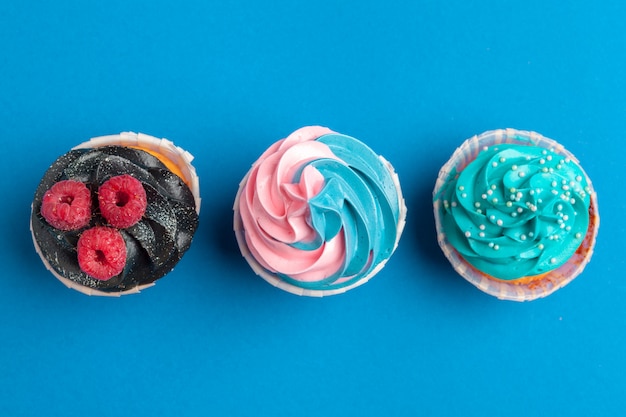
275 213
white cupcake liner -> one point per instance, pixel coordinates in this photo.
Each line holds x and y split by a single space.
504 290
178 156
293 289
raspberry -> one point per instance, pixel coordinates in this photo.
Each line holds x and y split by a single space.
101 252
122 200
67 205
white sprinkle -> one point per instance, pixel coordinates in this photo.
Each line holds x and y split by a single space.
454 204
461 188
494 200
493 187
482 227
540 246
559 207
559 166
531 234
555 192
492 217
468 234
514 168
531 192
490 244
481 234
573 201
549 157
566 217
544 169
484 196
520 210
502 159
479 211
578 235
509 204
544 152
523 237
499 222
542 161
579 178
553 260
463 195
477 204
496 247
522 174
489 192
514 214
494 164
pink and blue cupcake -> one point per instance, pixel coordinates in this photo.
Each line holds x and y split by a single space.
318 213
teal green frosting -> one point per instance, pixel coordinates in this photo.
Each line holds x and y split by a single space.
517 210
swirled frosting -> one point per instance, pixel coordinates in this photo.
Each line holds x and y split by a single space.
154 244
320 210
517 210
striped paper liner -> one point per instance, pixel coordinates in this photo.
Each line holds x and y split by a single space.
279 283
544 284
181 158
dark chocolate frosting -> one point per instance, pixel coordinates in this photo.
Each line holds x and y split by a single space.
153 245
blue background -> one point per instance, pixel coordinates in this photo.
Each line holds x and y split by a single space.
412 79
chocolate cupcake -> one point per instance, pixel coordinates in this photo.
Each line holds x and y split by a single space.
116 213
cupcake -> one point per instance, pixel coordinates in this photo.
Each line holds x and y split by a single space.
318 213
515 214
116 213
